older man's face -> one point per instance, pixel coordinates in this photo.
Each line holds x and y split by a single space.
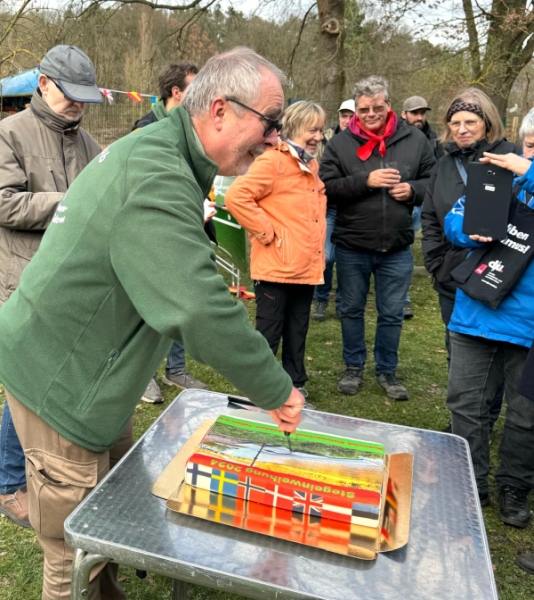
372 112
245 130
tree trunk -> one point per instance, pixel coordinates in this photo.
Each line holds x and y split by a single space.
331 75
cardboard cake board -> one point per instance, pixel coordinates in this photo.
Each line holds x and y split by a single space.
355 541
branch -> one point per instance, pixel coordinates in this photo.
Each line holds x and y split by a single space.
474 44
293 52
13 21
153 5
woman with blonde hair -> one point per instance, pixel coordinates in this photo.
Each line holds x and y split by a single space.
281 203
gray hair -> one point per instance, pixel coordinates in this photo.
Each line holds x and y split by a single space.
371 86
527 125
233 74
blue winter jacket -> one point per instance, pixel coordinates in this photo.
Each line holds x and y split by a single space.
513 320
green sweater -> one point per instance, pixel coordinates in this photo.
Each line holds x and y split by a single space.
125 268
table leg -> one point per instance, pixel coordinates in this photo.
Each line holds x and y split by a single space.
179 590
81 570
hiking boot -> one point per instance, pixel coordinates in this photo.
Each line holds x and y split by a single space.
152 393
350 383
184 380
514 506
15 507
484 499
526 562
319 311
392 386
407 311
307 404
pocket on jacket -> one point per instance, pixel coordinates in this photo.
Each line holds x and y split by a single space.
283 245
55 488
25 244
99 379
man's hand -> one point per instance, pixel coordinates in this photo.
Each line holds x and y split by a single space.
383 178
401 192
512 162
289 415
209 210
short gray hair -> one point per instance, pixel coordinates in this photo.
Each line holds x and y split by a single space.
371 86
233 74
527 125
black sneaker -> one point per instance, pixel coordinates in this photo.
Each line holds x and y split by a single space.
407 311
392 386
319 311
514 506
350 383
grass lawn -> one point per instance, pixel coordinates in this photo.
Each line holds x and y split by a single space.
423 370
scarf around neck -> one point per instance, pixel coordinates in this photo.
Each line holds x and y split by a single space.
365 151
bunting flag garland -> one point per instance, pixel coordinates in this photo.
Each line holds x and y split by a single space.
107 95
135 96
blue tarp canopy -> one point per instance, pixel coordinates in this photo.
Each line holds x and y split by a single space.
22 84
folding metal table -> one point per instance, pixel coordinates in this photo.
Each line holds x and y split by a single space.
447 557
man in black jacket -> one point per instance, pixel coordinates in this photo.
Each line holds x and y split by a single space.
375 171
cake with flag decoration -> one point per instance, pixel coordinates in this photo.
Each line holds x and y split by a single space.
312 474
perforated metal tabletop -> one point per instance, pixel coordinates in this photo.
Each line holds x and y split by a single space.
447 557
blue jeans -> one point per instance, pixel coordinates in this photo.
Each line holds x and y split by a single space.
322 292
392 275
175 359
12 463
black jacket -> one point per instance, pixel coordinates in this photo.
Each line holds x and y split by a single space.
370 219
435 144
144 121
445 188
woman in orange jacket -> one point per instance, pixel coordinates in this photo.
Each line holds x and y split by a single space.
281 203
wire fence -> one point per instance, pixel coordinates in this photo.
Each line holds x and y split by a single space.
105 122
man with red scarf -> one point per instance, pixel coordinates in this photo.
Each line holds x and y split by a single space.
375 171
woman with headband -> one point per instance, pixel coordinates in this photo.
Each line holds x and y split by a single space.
471 126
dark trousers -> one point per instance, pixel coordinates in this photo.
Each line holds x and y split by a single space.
446 305
478 366
283 312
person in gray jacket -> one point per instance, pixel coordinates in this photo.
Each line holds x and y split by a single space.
42 150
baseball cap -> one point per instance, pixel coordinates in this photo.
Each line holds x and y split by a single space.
415 103
73 72
348 105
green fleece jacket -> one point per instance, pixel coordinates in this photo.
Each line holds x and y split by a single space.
98 306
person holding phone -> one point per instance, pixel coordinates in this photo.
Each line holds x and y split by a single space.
471 126
489 346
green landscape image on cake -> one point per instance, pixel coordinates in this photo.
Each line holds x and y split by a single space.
318 456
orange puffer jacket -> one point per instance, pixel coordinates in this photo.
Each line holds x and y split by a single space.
281 202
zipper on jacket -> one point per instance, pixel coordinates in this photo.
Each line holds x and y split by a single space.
384 209
63 159
102 374
53 177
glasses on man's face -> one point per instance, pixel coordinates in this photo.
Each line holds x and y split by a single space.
272 124
64 95
376 109
471 124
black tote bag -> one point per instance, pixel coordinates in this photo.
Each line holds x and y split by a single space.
490 273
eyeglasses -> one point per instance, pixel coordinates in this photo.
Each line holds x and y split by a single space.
376 109
272 124
57 85
472 124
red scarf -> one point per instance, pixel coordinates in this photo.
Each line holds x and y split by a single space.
365 151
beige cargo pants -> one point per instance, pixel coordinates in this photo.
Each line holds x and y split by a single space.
59 476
